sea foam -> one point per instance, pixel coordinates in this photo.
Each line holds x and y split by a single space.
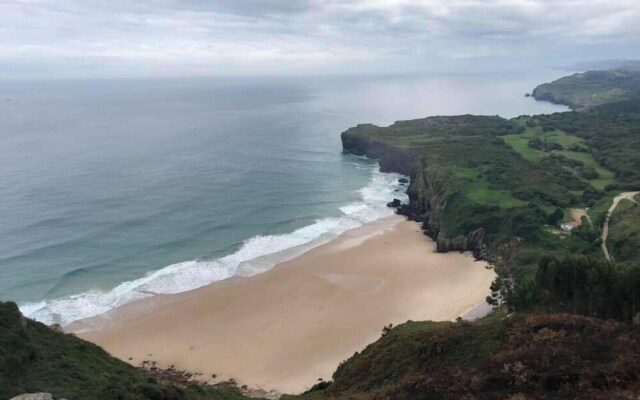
256 255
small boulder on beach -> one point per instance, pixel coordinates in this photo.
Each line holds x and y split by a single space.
394 204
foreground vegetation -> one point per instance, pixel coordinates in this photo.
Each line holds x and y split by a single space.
523 357
36 358
581 285
518 357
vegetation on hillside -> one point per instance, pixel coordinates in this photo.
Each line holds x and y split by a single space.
36 358
520 179
581 285
612 134
518 358
486 174
592 88
624 232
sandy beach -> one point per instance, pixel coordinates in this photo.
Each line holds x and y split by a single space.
287 327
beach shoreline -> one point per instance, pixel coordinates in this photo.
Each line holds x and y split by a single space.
288 327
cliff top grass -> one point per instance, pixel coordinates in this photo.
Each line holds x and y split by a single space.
611 133
472 149
536 143
485 180
520 141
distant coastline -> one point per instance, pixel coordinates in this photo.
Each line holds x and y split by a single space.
582 91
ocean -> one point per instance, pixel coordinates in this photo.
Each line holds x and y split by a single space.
116 190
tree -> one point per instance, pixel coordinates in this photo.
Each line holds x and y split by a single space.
555 217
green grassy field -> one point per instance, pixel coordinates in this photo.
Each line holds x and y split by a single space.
479 190
520 143
606 176
481 193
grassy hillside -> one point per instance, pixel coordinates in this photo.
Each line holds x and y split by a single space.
612 134
34 358
483 172
522 357
538 142
592 88
624 232
518 180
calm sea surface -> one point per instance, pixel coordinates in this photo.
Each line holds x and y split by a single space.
115 190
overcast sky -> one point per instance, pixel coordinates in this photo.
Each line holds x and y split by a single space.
67 38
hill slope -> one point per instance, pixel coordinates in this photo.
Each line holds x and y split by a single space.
523 357
474 189
591 88
624 232
35 358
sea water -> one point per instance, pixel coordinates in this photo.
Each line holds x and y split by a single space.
116 190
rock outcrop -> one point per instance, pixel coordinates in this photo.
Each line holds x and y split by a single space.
394 204
474 241
391 158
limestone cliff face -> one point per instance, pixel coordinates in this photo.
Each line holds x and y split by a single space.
428 199
427 195
391 158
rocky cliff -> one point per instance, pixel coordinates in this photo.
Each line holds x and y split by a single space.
544 92
427 194
391 158
590 89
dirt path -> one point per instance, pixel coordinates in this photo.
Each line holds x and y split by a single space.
605 227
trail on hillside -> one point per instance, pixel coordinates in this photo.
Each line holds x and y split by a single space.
605 228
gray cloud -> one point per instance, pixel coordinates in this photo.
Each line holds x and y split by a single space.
198 37
250 8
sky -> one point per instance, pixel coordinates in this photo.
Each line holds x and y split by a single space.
119 38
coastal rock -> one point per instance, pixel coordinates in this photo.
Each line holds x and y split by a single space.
34 396
403 180
392 159
474 240
412 211
57 328
394 204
